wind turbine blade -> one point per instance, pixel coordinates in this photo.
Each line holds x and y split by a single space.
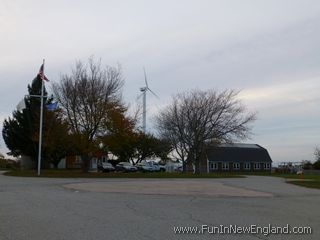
153 93
145 77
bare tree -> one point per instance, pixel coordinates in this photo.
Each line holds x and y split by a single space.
85 97
198 118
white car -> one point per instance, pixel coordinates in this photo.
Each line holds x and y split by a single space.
150 167
105 167
162 168
145 167
126 167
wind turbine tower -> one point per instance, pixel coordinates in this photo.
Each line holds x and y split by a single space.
144 106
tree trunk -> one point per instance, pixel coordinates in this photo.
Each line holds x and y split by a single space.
196 163
184 166
85 163
55 164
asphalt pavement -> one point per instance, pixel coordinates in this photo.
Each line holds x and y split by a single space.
94 209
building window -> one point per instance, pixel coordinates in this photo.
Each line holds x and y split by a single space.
256 166
236 166
213 166
267 166
246 166
225 166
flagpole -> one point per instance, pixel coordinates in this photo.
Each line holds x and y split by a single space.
40 127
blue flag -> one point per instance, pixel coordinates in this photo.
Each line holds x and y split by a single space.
52 106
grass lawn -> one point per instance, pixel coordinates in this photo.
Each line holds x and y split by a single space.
309 180
79 174
309 184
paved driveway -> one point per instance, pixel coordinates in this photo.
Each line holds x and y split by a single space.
70 209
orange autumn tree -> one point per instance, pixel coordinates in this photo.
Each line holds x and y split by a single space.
127 142
121 134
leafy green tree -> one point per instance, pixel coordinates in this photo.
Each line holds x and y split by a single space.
148 146
316 165
21 131
306 165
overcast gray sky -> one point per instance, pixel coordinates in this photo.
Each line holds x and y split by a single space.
269 49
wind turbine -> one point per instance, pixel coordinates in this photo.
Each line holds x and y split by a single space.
144 94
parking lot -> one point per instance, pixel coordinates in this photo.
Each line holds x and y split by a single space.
43 208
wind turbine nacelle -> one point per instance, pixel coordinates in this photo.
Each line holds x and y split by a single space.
143 89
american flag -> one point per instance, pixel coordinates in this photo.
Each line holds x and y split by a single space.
41 74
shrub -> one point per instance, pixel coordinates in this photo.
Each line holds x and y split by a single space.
316 165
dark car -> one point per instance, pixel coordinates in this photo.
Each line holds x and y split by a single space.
105 167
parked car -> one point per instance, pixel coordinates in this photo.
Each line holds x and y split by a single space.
174 167
126 167
179 169
162 168
155 166
145 167
150 167
105 167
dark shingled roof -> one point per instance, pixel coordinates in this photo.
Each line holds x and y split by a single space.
238 153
